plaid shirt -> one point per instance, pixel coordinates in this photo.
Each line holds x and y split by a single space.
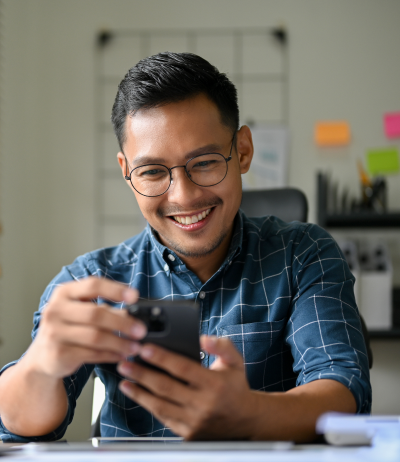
284 296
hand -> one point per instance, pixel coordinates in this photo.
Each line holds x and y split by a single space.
74 330
210 404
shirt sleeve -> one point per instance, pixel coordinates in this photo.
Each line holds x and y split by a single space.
324 329
74 383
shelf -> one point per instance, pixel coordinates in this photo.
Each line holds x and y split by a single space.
393 333
363 220
328 202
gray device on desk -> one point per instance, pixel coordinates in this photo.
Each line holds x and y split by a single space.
173 325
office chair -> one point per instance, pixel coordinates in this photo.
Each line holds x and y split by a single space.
288 204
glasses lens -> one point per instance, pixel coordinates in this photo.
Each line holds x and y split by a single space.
150 180
207 169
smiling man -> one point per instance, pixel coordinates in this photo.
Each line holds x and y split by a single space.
282 340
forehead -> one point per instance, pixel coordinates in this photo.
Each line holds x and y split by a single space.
176 128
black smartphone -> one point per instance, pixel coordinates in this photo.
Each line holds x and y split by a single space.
173 325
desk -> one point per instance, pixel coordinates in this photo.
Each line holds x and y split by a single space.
234 452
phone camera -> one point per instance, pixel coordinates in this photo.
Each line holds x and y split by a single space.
156 319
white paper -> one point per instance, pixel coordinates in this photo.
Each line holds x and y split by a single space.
270 160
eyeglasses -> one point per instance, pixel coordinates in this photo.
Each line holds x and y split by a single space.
205 170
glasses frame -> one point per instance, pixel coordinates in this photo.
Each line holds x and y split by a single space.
227 159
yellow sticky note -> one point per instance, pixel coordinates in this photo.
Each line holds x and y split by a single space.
332 133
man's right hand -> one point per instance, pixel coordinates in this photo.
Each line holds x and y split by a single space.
75 330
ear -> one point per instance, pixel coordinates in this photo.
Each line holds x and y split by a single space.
245 148
122 163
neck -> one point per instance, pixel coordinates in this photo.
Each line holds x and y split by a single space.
204 267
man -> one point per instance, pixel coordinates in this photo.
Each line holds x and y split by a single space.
282 339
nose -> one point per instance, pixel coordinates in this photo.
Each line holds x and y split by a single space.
182 190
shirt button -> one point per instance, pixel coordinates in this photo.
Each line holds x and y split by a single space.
202 355
166 267
171 257
202 295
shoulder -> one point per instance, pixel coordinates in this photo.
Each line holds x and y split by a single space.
114 262
269 227
107 259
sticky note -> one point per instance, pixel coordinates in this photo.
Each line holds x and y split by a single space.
391 122
332 133
383 161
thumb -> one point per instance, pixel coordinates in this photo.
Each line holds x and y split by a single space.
224 349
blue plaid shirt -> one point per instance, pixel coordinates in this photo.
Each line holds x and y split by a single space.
284 296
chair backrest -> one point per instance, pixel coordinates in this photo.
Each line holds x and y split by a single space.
288 204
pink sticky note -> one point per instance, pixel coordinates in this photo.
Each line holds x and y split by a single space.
392 124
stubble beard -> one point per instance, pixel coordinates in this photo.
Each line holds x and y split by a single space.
192 251
180 249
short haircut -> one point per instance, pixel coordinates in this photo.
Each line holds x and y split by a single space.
170 78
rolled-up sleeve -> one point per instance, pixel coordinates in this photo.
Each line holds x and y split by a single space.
324 329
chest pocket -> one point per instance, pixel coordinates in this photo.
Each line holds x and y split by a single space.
262 347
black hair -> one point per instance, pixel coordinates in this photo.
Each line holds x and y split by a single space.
169 78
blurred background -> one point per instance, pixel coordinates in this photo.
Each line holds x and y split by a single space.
296 64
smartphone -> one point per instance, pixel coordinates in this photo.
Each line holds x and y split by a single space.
173 325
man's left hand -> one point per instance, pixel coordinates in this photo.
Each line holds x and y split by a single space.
194 402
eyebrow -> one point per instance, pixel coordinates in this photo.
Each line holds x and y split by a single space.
143 160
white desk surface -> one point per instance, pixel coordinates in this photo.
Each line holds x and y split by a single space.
298 453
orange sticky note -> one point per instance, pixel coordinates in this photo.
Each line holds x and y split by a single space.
332 133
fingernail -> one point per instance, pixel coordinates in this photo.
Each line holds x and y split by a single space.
129 295
126 386
134 348
138 330
123 368
146 352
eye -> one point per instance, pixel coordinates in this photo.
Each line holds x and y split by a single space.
150 172
204 164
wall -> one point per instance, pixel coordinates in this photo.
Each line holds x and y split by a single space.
342 65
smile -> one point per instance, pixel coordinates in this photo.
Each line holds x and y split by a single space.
189 220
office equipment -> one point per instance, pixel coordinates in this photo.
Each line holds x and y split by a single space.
372 268
288 204
354 220
327 217
375 285
346 429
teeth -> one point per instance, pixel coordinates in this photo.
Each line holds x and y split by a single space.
192 219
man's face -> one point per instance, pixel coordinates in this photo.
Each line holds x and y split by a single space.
171 135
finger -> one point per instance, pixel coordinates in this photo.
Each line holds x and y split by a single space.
93 287
90 356
158 383
224 349
163 410
95 339
100 316
177 365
